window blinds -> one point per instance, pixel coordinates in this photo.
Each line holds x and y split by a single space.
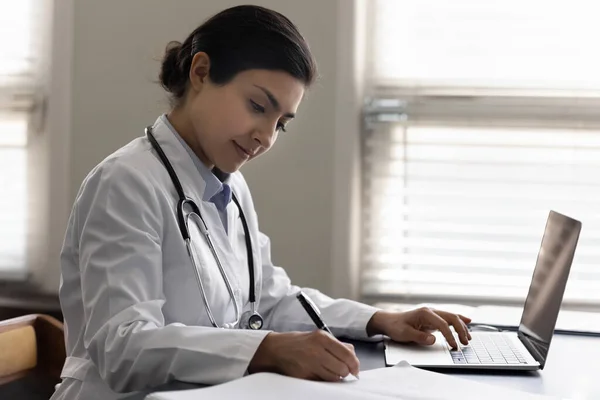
457 188
459 211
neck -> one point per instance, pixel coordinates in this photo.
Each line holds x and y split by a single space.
184 127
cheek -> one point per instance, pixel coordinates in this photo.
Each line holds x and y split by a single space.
234 126
227 118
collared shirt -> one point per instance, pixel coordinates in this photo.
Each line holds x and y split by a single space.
216 192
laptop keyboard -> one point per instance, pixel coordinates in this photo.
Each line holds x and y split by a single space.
488 349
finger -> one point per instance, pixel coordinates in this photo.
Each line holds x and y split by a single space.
464 319
463 331
465 336
342 353
467 329
347 357
439 323
334 365
458 325
323 374
421 337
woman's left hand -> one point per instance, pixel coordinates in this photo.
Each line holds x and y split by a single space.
416 326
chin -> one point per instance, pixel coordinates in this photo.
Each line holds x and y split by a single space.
230 168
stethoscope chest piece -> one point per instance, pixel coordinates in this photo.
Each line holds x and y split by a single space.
251 320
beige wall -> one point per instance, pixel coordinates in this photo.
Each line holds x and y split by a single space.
116 48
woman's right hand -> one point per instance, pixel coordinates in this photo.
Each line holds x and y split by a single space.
307 355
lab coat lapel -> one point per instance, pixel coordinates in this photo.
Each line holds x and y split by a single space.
180 160
233 265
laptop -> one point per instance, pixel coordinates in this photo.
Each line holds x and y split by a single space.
527 348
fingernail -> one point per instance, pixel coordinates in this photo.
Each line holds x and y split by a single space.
430 340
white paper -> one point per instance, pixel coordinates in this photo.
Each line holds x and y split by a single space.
400 382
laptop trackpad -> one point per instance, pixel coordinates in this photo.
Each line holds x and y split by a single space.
419 355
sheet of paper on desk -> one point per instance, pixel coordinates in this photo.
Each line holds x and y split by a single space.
399 382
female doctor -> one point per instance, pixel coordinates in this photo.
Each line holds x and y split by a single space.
165 274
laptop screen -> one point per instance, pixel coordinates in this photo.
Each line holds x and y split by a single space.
548 283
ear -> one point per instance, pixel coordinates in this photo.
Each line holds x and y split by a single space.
199 70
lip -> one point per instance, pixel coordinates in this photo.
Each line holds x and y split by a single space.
242 151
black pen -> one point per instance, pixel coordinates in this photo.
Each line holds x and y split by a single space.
314 314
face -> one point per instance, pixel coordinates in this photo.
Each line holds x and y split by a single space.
236 122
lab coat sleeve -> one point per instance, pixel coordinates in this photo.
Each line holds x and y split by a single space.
283 312
120 232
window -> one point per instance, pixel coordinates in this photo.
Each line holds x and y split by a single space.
482 118
21 28
506 44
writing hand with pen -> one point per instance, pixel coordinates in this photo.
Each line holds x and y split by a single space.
318 355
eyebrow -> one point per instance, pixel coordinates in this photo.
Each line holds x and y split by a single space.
274 101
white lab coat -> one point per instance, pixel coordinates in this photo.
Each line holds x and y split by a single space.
134 316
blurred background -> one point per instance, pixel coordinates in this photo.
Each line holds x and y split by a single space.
421 167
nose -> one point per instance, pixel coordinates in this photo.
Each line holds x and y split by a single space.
265 136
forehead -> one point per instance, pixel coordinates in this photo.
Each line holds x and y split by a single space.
287 90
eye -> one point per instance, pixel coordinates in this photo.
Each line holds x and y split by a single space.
281 127
257 107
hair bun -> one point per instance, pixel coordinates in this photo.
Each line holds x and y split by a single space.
171 75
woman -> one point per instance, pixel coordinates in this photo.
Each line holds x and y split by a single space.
145 293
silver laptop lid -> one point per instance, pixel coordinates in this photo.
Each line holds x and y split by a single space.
548 284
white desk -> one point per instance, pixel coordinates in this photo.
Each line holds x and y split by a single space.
572 369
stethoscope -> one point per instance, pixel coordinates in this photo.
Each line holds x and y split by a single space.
250 319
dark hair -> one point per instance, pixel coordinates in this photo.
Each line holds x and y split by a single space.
238 39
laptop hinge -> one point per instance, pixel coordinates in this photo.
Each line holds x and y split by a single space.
530 346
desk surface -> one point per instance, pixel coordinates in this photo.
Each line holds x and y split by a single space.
571 369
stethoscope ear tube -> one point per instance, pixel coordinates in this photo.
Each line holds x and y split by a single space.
165 160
